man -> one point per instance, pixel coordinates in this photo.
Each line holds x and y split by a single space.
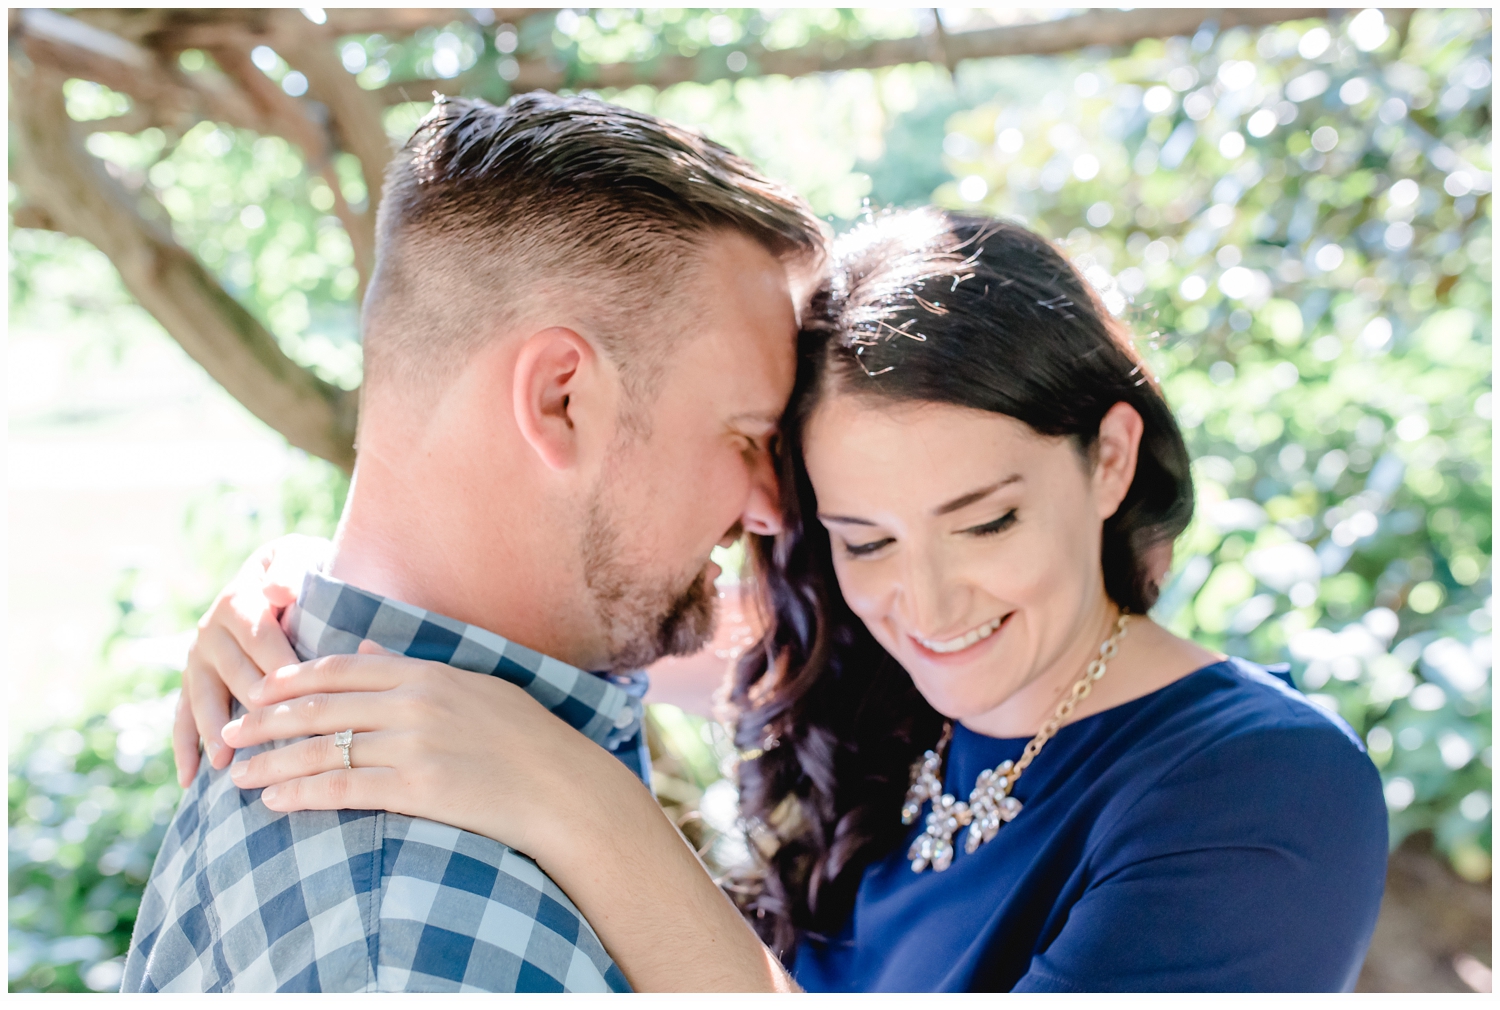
579 337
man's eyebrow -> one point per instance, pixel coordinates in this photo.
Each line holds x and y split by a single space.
772 417
965 500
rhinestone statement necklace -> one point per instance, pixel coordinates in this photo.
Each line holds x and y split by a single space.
990 804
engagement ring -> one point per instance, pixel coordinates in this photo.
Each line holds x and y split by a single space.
342 740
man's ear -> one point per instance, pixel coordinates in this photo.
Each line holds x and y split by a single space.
1115 455
553 365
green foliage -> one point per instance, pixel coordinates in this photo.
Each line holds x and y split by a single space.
246 206
89 805
691 772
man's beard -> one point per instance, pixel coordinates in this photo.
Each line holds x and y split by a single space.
643 617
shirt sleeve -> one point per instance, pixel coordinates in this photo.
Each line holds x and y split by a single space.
1256 864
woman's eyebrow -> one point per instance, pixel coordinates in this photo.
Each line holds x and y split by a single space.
961 501
850 520
965 500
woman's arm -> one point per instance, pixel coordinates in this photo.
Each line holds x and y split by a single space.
479 753
239 640
654 906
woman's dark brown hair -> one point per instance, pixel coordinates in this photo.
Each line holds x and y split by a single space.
919 306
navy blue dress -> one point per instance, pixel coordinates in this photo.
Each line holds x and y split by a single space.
1220 834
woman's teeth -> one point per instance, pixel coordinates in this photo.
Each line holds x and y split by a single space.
979 634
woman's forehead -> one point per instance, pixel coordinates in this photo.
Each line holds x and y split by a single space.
844 416
922 454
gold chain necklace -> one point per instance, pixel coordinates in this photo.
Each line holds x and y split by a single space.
990 804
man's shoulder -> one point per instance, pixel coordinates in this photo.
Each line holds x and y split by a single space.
242 897
245 898
462 912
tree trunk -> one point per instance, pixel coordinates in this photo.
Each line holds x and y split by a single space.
1434 929
78 197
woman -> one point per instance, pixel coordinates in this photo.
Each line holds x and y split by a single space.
970 760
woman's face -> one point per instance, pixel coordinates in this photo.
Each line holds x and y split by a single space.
967 543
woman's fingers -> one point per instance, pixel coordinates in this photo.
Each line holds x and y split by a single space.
221 656
314 714
314 756
247 612
185 742
208 700
360 789
364 672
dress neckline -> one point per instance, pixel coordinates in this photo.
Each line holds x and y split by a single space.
960 730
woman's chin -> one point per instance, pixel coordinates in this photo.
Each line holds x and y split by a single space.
961 685
961 696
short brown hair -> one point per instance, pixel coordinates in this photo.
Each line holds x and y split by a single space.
483 201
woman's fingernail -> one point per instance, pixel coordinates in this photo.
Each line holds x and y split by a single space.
268 795
286 671
232 728
212 748
258 690
238 769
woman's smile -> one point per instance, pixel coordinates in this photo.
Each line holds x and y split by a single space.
963 648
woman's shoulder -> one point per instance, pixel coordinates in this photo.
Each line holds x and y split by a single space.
1234 747
1240 703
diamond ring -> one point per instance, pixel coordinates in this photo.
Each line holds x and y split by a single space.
342 739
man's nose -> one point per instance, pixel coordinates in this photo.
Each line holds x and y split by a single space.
762 513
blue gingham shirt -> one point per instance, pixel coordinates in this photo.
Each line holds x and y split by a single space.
246 899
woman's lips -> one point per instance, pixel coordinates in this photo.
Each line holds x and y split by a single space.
963 648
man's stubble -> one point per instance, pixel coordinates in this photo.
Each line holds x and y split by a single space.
644 614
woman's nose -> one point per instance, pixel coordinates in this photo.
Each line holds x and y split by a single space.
933 603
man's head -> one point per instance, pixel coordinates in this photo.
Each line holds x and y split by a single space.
578 338
489 211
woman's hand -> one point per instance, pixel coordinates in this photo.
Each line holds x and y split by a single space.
239 640
429 740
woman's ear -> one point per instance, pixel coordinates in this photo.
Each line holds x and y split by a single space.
552 366
1115 455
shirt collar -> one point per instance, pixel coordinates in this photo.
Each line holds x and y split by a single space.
332 617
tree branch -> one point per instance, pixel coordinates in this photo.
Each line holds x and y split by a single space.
139 117
165 95
70 188
355 113
288 117
1095 28
147 26
76 49
30 216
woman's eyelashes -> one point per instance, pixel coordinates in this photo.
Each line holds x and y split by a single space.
1005 522
1000 525
864 550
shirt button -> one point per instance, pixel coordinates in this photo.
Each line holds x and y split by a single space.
625 717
